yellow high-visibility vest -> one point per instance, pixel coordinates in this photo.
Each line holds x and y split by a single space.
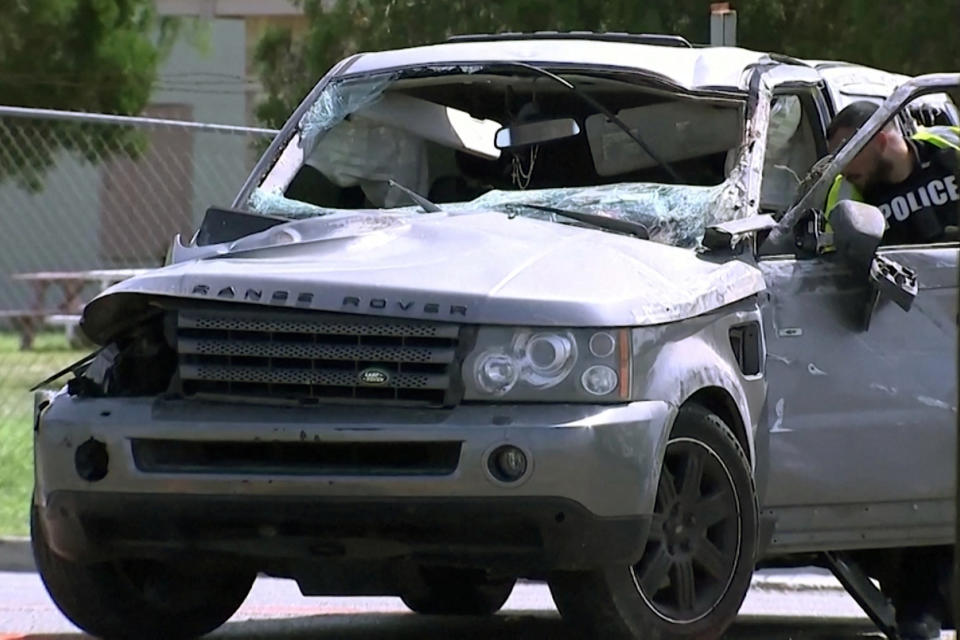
943 137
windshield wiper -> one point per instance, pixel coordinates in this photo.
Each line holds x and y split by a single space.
426 205
599 107
603 222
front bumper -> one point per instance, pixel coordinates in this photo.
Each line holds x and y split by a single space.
584 501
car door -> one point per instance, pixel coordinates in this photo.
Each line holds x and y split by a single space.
861 422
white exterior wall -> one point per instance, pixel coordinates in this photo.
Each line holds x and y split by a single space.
59 228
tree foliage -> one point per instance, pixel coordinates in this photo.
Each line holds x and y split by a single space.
289 67
910 37
79 55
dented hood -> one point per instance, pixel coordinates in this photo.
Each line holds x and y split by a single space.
476 268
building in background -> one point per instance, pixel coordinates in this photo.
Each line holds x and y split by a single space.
224 60
124 210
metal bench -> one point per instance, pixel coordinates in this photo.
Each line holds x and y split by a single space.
67 313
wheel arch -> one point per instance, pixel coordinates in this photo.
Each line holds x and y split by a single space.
719 401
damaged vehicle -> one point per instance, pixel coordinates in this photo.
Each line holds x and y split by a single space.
508 307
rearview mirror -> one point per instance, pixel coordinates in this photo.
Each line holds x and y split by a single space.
528 133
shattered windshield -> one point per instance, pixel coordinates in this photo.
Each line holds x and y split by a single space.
480 138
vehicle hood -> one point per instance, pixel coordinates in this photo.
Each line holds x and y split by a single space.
477 268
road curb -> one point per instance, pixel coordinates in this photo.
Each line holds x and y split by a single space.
16 555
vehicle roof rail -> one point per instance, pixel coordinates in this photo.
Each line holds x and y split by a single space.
661 39
785 59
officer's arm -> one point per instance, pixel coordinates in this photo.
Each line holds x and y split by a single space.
940 136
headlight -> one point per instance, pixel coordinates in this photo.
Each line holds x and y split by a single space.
496 373
587 365
599 380
548 358
602 344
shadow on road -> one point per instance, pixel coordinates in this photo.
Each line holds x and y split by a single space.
534 625
519 625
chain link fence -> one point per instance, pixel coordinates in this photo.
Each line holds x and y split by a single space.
86 200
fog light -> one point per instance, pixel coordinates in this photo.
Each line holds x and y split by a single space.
91 460
599 380
507 463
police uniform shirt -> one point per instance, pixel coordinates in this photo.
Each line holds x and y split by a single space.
918 209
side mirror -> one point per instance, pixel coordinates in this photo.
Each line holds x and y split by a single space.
528 133
857 231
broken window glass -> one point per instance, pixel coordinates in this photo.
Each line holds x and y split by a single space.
433 131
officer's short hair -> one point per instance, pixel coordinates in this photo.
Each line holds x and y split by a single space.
853 116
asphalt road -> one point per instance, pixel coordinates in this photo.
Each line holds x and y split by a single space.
275 610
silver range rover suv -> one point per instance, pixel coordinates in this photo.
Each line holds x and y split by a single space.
516 307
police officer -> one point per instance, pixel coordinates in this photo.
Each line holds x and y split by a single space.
913 181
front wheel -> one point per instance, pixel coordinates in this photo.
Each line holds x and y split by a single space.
142 599
696 567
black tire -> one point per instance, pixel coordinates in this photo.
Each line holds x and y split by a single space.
698 561
142 599
461 592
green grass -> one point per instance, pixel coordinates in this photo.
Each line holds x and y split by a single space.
20 370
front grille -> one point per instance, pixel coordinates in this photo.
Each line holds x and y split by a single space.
297 458
313 357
